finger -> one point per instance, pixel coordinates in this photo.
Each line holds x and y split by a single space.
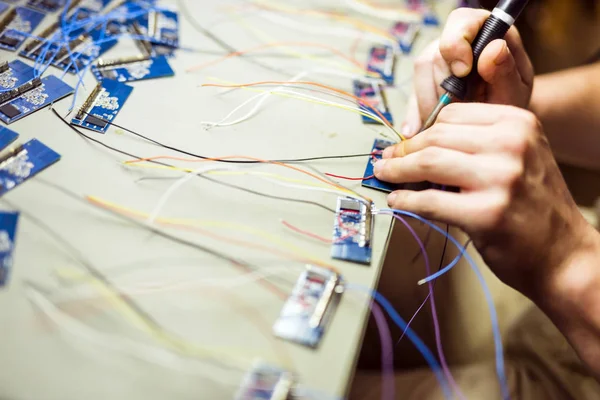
433 164
412 121
497 67
465 138
436 205
424 82
462 27
475 114
522 60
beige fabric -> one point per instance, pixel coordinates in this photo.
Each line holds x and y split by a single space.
540 366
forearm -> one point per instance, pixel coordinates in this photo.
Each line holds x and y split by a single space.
568 105
571 298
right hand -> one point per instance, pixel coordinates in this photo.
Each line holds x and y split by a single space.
504 66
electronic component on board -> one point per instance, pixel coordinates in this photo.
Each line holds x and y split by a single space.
374 183
30 97
405 34
84 50
309 308
382 61
102 105
14 74
372 93
16 25
162 29
8 231
24 162
353 231
46 5
266 382
133 69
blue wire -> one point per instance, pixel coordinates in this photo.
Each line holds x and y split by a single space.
422 347
488 297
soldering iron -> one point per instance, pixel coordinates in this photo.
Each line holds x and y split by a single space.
495 27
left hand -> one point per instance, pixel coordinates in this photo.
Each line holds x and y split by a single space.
513 202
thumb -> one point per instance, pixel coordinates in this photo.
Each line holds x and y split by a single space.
497 67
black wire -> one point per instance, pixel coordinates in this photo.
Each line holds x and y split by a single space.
198 175
220 42
187 153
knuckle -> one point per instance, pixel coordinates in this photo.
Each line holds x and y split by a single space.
449 112
427 159
428 204
496 209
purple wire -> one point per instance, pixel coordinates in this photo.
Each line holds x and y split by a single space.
431 296
387 353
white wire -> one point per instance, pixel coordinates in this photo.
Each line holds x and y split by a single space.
388 15
136 349
339 32
180 182
149 287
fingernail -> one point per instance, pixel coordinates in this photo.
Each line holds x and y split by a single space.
459 68
391 199
379 165
388 152
502 55
407 131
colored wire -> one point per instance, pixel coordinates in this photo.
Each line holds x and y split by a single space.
151 354
364 178
281 44
288 166
436 323
204 177
414 338
181 151
305 233
387 353
220 42
316 84
296 253
488 297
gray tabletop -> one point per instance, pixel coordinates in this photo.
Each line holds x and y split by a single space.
63 337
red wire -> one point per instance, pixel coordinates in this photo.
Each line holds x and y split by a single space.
306 233
349 178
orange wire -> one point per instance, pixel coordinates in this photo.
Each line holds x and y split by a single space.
208 233
277 44
305 233
362 101
241 157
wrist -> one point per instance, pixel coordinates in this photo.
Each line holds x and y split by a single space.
573 281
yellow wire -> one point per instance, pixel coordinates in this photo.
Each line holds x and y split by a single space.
266 174
291 96
220 224
352 21
268 39
232 356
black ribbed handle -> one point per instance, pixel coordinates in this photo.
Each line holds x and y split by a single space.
493 28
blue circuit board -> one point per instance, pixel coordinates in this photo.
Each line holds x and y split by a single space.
155 67
86 52
266 382
405 34
3 7
352 231
24 21
374 183
7 137
307 311
109 99
382 61
372 93
46 5
8 232
51 90
25 162
16 74
162 29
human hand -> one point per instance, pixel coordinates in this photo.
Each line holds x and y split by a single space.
504 66
513 202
